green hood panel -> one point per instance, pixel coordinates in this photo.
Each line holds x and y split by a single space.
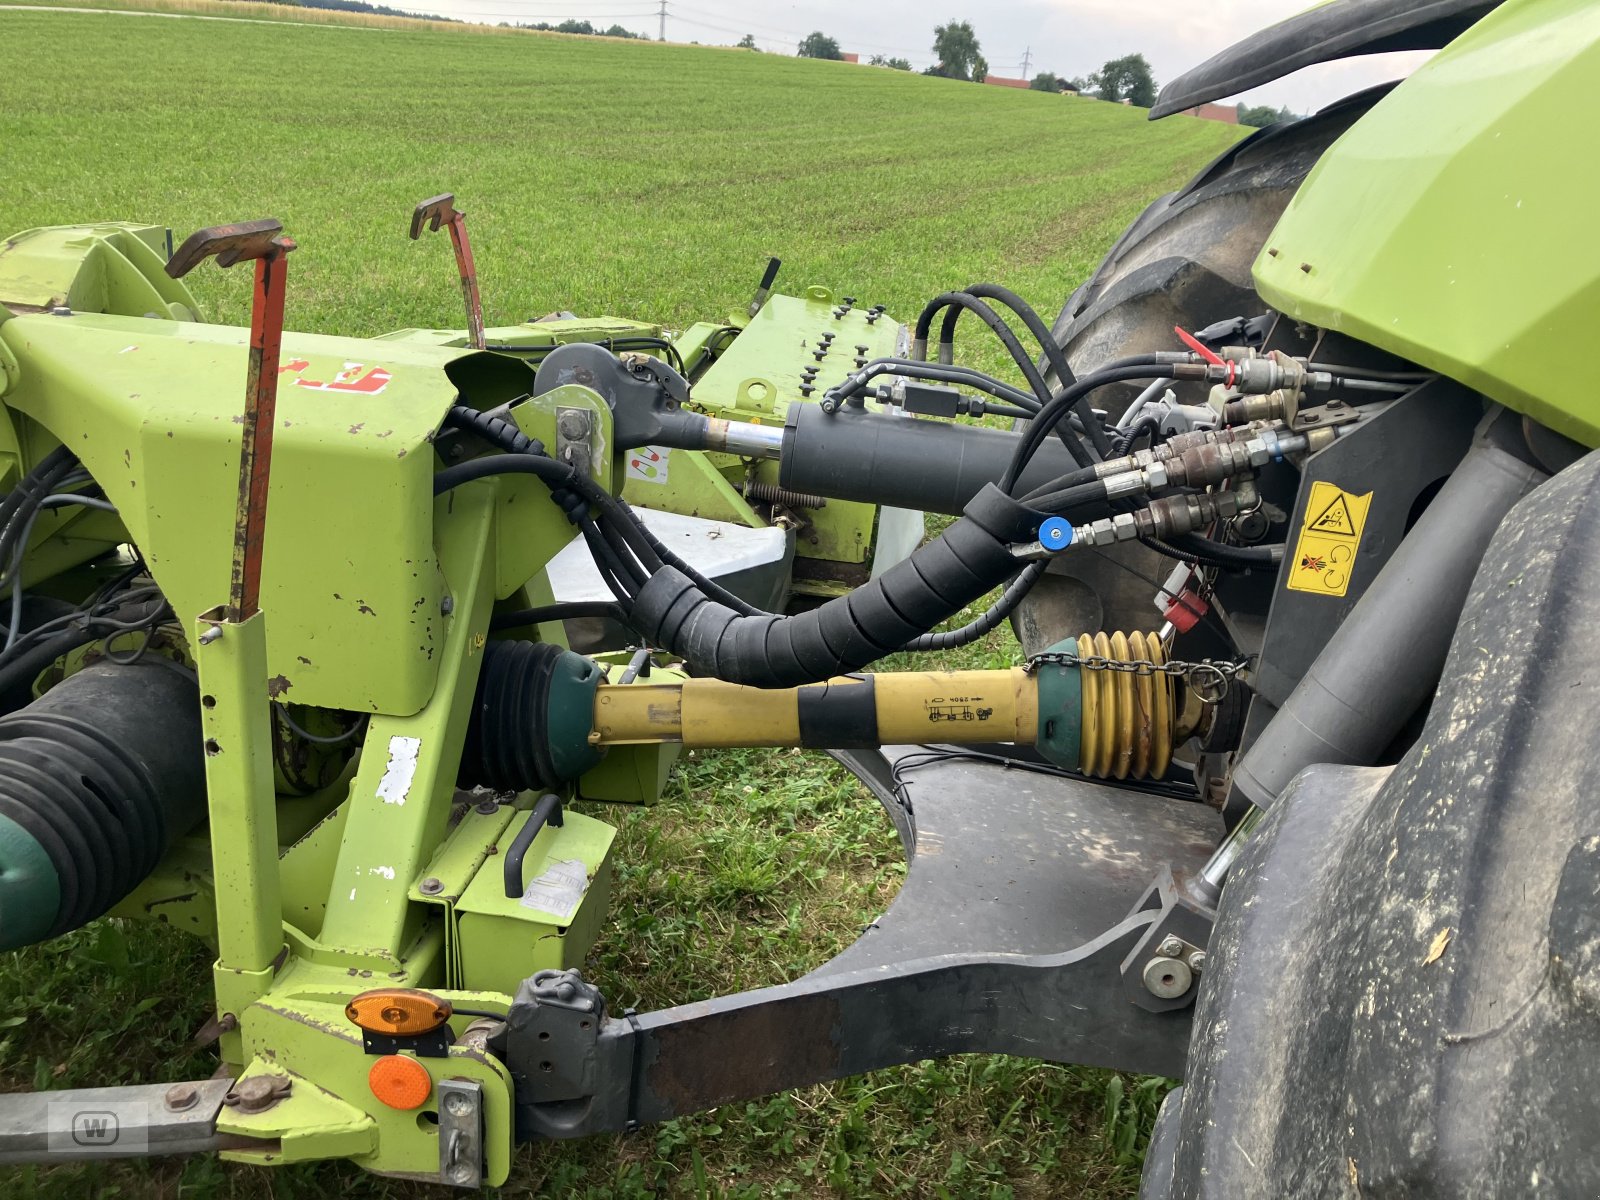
1452 225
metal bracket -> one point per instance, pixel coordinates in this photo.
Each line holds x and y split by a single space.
1162 972
461 1133
560 1013
441 210
574 439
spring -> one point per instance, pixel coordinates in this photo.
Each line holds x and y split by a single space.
1129 717
771 493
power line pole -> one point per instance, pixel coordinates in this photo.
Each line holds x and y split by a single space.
662 36
1027 57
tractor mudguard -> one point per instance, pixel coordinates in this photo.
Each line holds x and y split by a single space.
1404 981
1341 29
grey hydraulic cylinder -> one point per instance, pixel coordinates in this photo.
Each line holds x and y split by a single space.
1387 656
904 462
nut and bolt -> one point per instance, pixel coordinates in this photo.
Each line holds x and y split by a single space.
257 1093
1197 961
431 886
574 425
182 1097
1170 947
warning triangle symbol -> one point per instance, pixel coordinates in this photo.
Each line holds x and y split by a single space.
1336 519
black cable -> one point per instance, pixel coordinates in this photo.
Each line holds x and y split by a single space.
1069 498
318 739
929 755
571 610
1144 367
1056 355
1234 557
1123 444
1061 482
1192 548
1036 326
955 303
1002 608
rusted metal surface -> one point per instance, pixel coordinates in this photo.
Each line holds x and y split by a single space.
262 242
229 244
442 210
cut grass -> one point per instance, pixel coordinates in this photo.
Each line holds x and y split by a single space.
602 177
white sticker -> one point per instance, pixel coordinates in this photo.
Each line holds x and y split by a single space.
559 890
396 782
649 463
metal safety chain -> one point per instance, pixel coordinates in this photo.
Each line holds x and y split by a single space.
1209 678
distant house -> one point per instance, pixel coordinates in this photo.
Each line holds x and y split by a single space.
1070 89
1002 81
855 58
1228 114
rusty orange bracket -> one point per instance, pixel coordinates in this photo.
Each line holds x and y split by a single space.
442 210
261 241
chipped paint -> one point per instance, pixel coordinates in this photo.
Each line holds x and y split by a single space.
395 785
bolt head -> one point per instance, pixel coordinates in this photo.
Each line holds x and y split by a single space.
457 1105
182 1096
1167 978
447 605
1170 947
431 886
461 1172
1197 961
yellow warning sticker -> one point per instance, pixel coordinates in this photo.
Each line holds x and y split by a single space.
1329 540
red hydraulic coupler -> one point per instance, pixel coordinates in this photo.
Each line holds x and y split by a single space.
258 240
442 210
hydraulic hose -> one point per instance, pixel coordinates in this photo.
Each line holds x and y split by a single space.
986 623
940 578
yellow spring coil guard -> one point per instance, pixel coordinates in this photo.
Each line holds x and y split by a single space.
1128 718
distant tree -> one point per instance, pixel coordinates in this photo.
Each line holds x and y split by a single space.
898 64
1127 78
618 31
1262 115
575 27
1046 81
980 69
748 42
956 47
820 45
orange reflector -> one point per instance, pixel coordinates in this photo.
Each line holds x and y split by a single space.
400 1082
398 1012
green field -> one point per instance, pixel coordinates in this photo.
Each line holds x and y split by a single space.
601 177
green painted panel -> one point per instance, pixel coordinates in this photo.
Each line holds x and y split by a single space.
350 578
1451 225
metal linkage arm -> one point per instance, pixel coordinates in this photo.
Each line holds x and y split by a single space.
228 244
442 210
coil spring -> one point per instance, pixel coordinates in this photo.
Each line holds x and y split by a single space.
1129 717
771 493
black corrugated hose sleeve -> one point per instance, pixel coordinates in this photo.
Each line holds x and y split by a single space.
971 558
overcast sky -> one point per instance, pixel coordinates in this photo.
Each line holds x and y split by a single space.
1069 37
